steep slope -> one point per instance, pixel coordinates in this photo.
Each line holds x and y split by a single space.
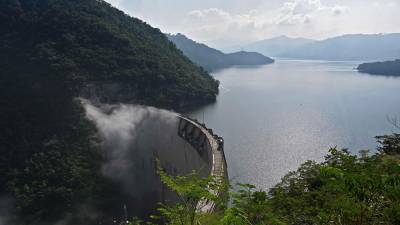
351 47
88 42
389 68
52 51
212 59
276 46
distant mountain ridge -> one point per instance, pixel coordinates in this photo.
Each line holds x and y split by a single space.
212 59
350 47
277 45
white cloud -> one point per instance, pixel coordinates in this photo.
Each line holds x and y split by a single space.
217 24
302 7
209 12
302 11
222 23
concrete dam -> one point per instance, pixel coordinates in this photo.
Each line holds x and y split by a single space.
135 136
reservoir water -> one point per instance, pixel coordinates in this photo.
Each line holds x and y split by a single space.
275 117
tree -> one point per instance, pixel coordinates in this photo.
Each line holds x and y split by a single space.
344 189
190 189
389 144
249 207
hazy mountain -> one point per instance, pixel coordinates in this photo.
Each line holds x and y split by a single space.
276 46
350 47
213 59
248 58
390 68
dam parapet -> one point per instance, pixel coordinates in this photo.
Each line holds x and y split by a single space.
210 147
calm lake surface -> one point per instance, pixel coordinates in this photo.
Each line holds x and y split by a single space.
275 117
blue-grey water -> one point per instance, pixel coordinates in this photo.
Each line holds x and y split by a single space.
275 117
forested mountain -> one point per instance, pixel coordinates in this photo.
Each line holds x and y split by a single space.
213 59
390 68
276 46
243 58
52 51
350 47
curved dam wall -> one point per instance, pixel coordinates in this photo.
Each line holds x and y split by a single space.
211 147
133 137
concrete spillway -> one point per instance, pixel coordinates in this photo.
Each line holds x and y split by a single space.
134 137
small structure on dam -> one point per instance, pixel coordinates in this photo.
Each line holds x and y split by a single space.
135 136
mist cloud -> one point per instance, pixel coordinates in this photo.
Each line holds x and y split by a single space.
129 134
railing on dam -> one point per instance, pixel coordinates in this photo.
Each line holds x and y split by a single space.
210 148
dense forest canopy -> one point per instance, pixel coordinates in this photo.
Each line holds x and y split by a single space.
52 51
89 41
390 68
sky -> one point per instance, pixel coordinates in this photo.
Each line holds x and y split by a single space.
226 23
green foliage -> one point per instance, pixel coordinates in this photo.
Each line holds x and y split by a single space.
249 207
190 188
390 144
214 218
344 189
137 221
89 42
51 51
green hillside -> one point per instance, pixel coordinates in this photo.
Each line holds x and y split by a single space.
52 51
212 59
